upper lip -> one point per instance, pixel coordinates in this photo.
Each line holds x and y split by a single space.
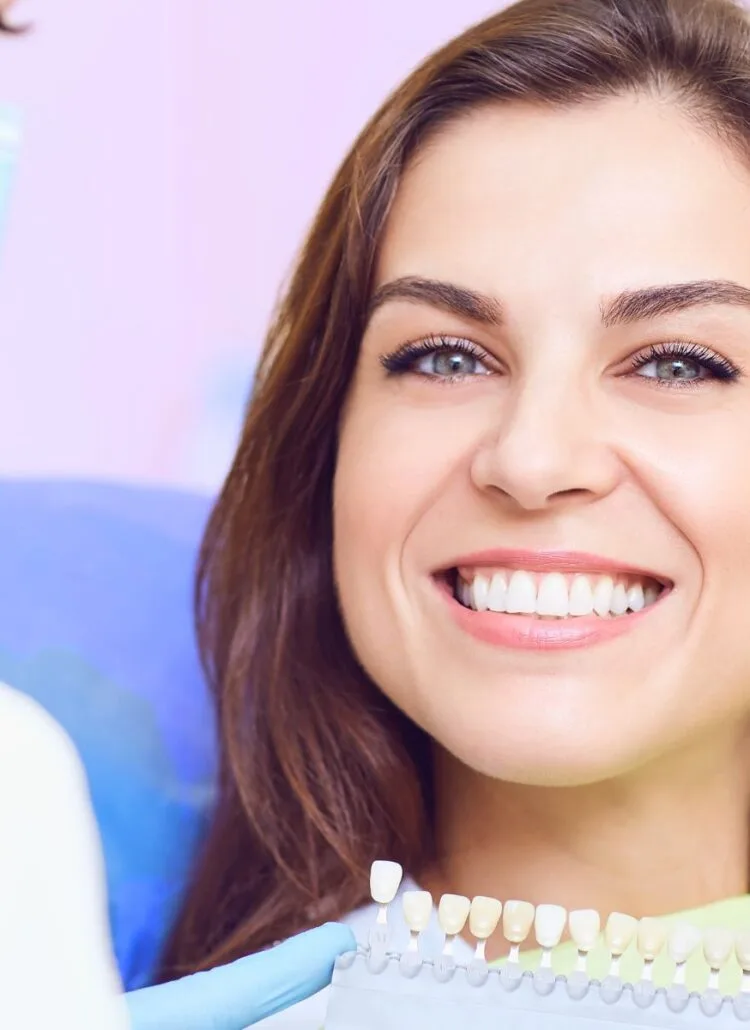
555 561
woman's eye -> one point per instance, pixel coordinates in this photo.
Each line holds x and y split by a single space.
683 364
675 369
449 364
440 357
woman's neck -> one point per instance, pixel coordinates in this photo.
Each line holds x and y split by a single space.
670 837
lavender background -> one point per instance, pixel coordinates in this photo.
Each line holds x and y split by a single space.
173 154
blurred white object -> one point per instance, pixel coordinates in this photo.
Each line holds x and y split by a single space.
57 967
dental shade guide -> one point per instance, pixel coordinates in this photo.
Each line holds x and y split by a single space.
380 987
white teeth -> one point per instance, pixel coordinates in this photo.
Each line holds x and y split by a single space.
385 880
619 603
636 600
552 597
521 598
549 923
417 910
603 595
619 932
498 593
581 596
480 590
682 941
584 925
517 919
453 911
651 937
484 916
718 944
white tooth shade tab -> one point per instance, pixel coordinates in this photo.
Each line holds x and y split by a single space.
417 910
484 915
552 595
742 949
619 932
521 597
718 944
518 917
651 937
585 926
682 940
453 911
385 880
549 923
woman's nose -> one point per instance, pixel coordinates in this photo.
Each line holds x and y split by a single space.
547 446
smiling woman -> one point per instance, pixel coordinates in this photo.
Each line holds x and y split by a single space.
474 595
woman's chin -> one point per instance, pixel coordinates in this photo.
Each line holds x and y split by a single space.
528 747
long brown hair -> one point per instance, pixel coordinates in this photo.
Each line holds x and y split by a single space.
320 774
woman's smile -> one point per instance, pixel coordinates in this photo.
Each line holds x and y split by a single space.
547 599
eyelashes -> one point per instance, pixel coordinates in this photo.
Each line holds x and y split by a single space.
684 356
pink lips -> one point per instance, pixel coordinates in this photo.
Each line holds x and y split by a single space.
531 633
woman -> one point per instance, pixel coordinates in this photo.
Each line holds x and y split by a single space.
510 372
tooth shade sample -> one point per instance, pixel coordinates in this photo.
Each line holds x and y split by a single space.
742 950
584 925
417 910
549 923
581 596
619 932
484 915
453 911
651 937
521 597
385 880
552 595
718 944
518 917
682 941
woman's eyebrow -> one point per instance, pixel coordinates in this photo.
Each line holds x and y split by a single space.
626 307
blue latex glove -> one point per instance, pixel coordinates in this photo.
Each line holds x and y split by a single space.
234 996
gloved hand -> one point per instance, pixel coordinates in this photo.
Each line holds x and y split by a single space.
234 996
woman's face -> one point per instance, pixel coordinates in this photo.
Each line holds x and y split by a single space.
566 443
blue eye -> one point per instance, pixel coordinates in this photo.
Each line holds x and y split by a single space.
681 363
438 357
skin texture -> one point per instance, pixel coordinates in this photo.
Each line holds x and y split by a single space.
598 776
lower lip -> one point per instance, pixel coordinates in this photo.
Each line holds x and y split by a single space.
527 632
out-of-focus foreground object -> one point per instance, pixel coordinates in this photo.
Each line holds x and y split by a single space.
96 626
57 968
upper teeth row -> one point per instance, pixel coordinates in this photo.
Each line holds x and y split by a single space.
521 593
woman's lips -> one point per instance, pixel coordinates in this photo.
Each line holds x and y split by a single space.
530 632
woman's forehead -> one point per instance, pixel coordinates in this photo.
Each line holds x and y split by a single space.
629 188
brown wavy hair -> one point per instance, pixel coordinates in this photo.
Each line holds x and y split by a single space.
320 773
